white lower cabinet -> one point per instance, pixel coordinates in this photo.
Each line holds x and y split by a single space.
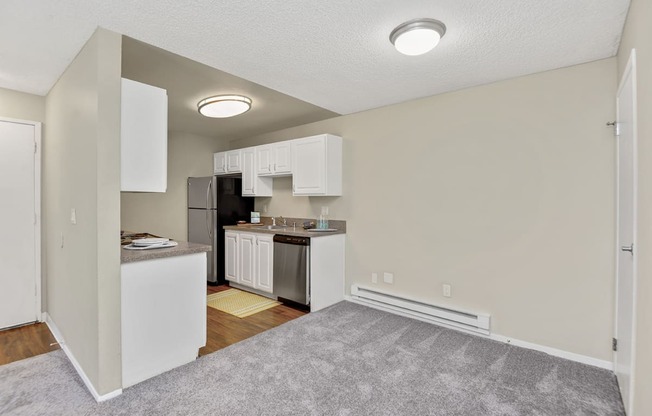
250 259
231 241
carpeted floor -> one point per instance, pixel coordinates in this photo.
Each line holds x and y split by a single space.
345 360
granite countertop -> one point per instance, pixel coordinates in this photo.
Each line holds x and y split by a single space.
184 247
340 227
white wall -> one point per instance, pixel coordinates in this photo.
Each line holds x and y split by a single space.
81 158
638 34
165 214
505 191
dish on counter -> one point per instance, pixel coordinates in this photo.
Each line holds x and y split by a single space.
163 244
144 242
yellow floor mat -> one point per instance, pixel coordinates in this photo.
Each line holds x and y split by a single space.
239 303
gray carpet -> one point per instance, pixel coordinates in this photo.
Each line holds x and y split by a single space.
345 360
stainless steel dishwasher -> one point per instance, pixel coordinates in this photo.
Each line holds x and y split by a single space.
292 268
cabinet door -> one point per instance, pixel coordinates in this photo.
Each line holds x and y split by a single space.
264 160
264 263
233 163
309 163
247 256
144 138
219 163
283 157
231 256
249 172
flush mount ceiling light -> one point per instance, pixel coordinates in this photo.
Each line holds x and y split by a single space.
417 36
223 106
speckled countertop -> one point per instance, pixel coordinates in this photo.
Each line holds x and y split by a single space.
129 256
339 226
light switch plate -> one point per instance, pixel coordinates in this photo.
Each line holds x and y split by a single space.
446 290
374 277
73 216
388 278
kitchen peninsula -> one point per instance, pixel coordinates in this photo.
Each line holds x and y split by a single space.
163 309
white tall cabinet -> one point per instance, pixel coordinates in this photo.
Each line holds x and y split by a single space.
144 138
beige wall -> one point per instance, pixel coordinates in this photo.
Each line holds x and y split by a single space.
20 105
81 160
638 34
505 191
164 214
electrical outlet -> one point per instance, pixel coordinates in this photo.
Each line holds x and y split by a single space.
324 210
388 278
374 277
446 290
73 216
265 208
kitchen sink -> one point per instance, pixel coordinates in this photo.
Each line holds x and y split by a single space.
272 227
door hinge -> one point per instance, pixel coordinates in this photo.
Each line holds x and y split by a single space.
616 126
614 344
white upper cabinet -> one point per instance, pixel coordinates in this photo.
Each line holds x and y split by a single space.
225 163
252 184
274 159
317 166
219 163
144 138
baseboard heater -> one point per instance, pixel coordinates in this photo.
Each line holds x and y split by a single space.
478 323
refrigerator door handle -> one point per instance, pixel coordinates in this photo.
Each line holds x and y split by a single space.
208 211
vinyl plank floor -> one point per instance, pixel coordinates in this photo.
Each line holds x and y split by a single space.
224 329
25 341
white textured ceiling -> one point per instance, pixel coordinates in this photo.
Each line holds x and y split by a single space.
334 54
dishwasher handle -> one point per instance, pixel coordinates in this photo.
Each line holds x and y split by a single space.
291 239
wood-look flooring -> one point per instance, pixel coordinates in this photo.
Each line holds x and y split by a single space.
25 341
222 330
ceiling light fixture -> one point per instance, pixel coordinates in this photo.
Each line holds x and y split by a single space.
417 36
223 106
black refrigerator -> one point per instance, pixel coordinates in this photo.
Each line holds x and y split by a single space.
213 202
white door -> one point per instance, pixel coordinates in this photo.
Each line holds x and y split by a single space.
626 235
283 157
249 172
231 256
19 222
264 263
309 167
247 257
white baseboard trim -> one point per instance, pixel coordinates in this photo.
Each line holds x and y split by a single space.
584 359
57 335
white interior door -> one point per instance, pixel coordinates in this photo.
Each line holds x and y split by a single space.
626 222
19 222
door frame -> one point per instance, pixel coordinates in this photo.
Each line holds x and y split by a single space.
38 310
630 69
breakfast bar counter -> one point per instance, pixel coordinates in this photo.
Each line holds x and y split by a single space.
183 248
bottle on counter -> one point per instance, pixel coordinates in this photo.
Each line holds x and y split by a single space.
322 222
